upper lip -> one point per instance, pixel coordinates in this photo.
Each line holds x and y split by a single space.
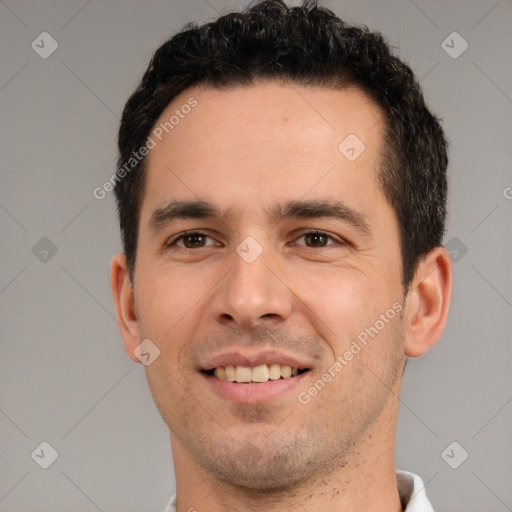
247 358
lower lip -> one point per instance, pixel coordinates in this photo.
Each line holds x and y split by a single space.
244 393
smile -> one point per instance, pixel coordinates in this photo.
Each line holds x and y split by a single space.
257 374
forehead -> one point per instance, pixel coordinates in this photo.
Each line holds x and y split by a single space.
266 140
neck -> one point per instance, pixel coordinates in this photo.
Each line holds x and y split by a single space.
366 482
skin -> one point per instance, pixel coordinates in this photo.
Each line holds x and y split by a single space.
245 149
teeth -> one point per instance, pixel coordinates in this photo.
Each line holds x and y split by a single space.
274 371
220 373
230 373
286 371
261 373
243 374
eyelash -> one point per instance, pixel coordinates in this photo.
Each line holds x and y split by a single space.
199 233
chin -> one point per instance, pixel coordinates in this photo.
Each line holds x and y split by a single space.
264 477
263 466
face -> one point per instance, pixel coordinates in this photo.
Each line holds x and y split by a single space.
267 249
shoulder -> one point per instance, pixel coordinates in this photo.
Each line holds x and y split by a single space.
412 492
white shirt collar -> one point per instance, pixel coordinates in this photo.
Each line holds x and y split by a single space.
410 488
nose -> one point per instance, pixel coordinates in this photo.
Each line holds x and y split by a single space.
253 293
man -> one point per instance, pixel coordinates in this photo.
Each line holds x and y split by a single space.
282 199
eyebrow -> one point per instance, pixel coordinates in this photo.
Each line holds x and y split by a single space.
290 209
314 209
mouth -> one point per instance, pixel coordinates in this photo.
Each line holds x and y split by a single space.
246 377
255 375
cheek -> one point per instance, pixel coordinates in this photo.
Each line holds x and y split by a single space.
169 302
340 302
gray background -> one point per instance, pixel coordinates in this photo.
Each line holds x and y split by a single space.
64 376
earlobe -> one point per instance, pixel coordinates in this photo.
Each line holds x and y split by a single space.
428 302
122 292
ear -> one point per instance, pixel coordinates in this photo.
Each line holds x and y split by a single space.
122 292
428 302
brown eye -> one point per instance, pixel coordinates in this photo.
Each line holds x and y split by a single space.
316 239
192 240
